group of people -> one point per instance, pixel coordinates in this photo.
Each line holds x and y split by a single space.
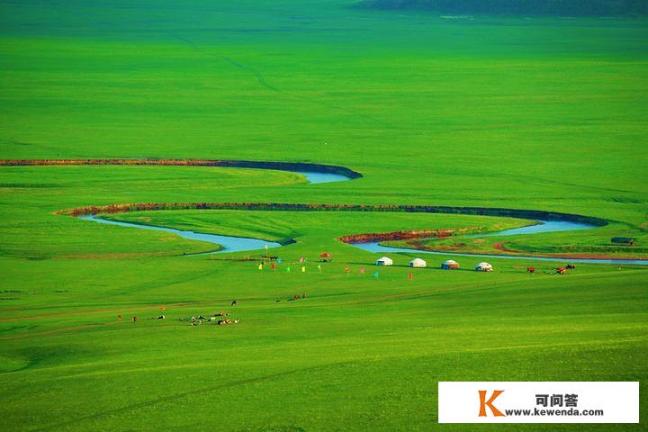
297 297
218 318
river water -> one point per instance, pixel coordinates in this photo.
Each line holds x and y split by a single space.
227 243
540 227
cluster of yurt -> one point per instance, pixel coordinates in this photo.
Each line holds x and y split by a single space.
386 261
417 262
450 265
484 267
447 265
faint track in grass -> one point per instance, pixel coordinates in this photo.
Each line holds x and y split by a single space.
258 75
263 82
269 377
180 395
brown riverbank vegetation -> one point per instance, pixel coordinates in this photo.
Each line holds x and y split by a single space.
273 165
482 211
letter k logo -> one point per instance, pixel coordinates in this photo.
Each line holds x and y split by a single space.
483 403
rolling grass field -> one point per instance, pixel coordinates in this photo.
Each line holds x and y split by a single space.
542 114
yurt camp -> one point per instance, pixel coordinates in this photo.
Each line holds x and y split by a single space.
384 261
417 262
484 267
450 265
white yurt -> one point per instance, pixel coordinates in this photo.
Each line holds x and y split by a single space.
384 261
484 267
417 262
450 265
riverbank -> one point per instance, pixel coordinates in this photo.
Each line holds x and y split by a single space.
259 206
298 167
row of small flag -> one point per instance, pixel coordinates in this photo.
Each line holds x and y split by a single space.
273 266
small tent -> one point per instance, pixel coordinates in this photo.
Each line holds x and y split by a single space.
484 267
450 265
384 261
326 257
417 262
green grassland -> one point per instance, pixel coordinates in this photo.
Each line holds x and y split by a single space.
543 114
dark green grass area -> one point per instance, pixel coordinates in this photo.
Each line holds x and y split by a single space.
542 114
562 8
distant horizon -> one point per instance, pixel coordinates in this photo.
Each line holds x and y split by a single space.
563 8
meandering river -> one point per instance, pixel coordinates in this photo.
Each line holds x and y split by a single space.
227 243
241 244
318 173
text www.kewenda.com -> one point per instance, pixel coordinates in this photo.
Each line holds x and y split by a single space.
575 412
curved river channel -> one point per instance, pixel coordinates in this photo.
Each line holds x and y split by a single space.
241 244
226 243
